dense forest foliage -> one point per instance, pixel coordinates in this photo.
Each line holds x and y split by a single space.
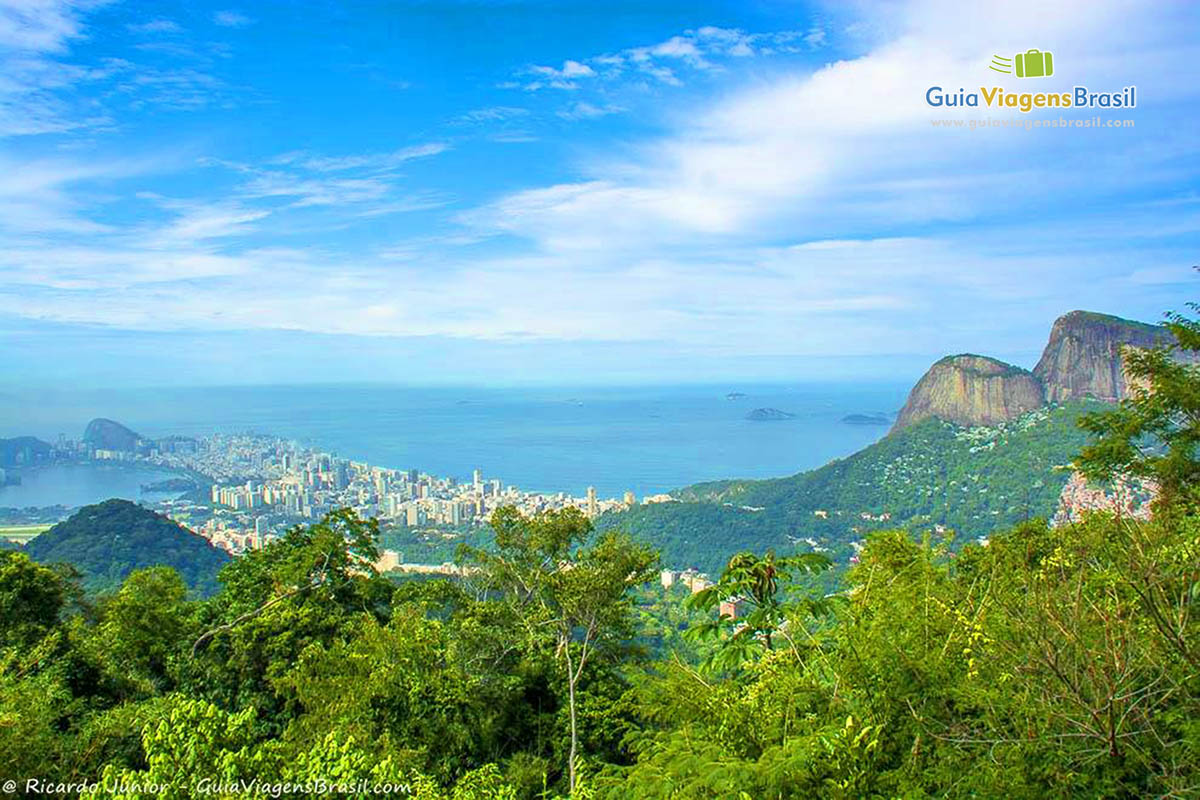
1050 662
974 480
107 541
432 544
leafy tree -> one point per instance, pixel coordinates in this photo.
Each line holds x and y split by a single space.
1154 433
568 592
761 589
32 709
31 599
314 585
404 688
197 750
143 627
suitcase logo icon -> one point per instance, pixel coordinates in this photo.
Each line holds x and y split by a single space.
1032 63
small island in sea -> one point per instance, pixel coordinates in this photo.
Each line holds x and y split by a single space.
768 414
735 396
867 419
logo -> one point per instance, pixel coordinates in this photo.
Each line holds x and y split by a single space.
1032 63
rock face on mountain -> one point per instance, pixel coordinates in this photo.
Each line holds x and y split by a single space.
971 390
1083 357
105 434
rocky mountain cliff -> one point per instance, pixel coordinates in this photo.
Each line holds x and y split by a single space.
1083 357
971 390
1082 361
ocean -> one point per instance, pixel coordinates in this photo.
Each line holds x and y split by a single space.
647 439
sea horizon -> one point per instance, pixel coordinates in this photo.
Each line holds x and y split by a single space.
642 438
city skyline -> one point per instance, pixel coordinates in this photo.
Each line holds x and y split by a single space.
488 193
261 485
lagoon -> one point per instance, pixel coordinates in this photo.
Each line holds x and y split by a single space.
81 484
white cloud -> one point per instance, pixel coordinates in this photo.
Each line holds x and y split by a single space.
379 161
850 144
771 301
694 49
680 47
493 114
198 223
179 89
42 92
139 274
363 185
558 78
33 33
573 69
231 19
582 110
45 195
316 192
41 26
155 26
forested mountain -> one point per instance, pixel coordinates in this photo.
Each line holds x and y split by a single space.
980 445
974 480
107 541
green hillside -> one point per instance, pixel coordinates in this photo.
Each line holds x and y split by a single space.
109 540
974 480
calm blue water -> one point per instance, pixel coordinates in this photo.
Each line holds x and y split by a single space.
648 439
79 485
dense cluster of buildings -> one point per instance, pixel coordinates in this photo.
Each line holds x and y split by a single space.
255 487
1129 498
262 484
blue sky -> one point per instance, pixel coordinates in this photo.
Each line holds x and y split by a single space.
511 192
